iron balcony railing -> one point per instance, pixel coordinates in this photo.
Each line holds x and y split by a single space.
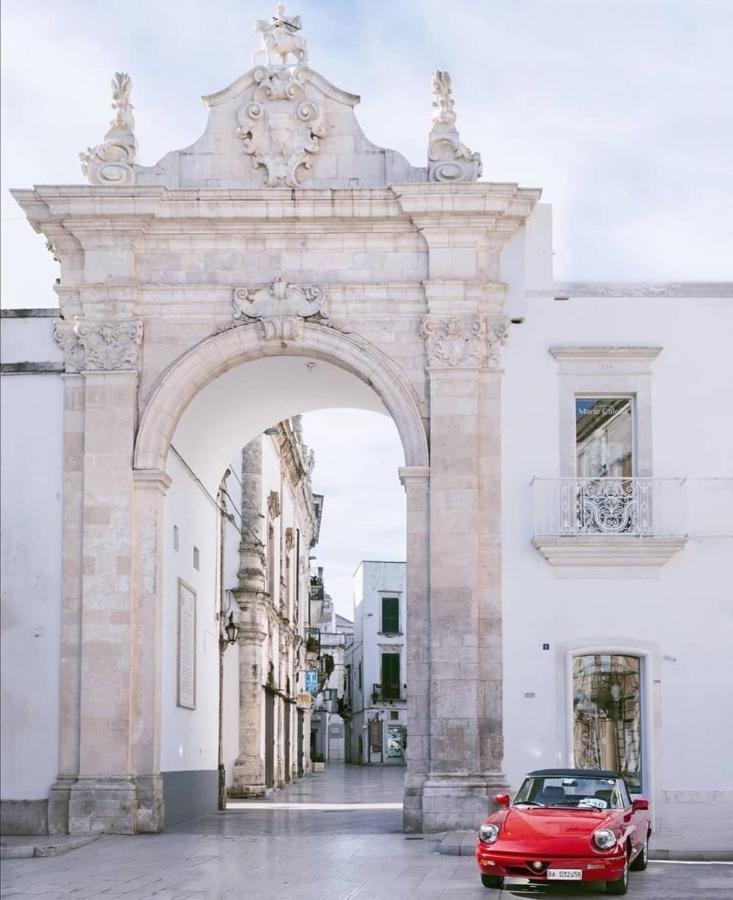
628 507
386 691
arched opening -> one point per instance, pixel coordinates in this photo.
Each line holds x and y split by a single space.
212 430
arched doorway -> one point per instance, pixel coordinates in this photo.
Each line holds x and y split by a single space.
250 383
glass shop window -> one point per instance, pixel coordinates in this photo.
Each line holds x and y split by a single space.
607 715
390 615
604 437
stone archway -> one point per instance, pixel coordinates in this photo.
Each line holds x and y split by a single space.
284 217
177 387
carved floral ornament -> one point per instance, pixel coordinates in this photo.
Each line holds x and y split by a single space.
461 341
90 345
279 307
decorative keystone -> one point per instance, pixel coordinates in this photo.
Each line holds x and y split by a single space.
279 307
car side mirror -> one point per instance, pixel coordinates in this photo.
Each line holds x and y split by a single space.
639 804
501 800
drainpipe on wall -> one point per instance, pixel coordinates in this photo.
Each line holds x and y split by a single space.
222 804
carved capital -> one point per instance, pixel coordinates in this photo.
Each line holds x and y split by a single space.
280 308
273 504
90 345
464 341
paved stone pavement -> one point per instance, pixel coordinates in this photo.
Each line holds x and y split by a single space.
313 845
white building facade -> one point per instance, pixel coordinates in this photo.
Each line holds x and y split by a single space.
566 447
334 633
377 725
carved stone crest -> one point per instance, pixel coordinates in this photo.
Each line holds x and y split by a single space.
281 128
112 161
90 345
280 307
458 341
448 158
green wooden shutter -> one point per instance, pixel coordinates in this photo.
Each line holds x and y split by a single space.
390 615
391 676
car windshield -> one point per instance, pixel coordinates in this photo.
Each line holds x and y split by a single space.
569 791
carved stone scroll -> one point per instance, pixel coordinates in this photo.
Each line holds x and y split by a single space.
460 341
112 161
280 307
448 158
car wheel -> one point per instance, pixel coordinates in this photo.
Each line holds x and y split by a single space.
642 859
492 881
620 886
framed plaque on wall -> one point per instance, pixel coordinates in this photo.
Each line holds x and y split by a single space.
186 678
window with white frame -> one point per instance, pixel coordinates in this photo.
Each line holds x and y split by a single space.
607 710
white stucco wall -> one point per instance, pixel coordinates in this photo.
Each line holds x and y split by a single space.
189 738
32 459
684 617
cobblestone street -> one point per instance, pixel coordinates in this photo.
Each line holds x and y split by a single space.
333 835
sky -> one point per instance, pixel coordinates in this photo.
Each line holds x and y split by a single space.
620 110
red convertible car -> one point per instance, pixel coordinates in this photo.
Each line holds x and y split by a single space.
566 825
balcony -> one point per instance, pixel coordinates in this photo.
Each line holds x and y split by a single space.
386 692
609 522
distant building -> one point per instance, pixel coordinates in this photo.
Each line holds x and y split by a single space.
376 730
333 633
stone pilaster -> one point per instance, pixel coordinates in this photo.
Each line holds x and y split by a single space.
416 481
465 569
104 797
248 776
70 662
150 486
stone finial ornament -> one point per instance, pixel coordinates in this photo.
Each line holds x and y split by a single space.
280 38
112 161
448 158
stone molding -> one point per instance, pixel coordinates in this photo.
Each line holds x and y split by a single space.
412 474
613 551
448 158
154 478
90 345
606 352
643 289
279 307
112 161
464 341
281 128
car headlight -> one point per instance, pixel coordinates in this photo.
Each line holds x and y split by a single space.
488 833
604 838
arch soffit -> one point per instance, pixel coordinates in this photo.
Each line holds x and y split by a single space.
213 356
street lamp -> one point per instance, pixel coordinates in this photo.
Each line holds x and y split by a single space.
231 633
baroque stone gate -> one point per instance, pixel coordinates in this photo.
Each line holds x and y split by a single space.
281 232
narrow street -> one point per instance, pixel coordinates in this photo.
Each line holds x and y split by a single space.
333 835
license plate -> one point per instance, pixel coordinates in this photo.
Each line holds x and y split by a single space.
564 874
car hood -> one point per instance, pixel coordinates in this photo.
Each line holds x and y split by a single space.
560 831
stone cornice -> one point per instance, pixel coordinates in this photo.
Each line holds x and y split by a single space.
309 75
607 352
615 551
643 289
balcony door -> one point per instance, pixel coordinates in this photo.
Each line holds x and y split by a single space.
607 500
